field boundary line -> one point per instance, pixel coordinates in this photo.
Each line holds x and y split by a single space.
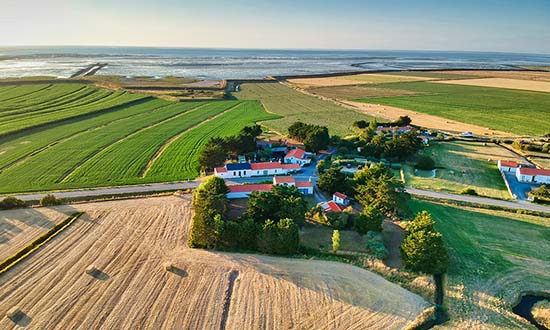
76 134
169 142
81 162
12 261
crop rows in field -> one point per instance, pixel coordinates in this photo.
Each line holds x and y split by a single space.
49 166
16 147
125 160
58 102
180 159
296 106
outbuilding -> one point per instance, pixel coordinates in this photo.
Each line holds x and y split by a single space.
340 198
297 156
533 175
507 166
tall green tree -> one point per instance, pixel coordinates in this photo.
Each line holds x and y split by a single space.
375 186
211 156
280 203
333 180
282 237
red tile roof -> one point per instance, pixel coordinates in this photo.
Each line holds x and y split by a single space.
330 206
284 179
508 163
250 187
297 153
340 195
265 166
304 184
533 171
220 169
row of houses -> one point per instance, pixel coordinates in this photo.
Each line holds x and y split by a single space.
243 191
524 173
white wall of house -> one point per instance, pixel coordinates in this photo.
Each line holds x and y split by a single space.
524 178
306 190
542 179
299 161
339 200
250 173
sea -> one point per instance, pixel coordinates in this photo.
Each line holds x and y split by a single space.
206 63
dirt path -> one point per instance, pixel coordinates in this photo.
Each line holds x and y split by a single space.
425 120
393 237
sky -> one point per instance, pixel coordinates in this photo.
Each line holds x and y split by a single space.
475 25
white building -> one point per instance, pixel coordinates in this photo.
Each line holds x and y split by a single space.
243 191
297 156
246 170
533 175
340 198
508 166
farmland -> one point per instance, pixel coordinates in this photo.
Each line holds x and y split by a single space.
495 108
28 106
463 165
495 256
122 144
130 241
295 106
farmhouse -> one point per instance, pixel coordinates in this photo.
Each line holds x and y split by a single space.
533 175
340 198
330 206
297 156
243 191
246 170
508 166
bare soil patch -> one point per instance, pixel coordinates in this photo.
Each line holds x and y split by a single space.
366 78
425 120
129 243
530 85
524 75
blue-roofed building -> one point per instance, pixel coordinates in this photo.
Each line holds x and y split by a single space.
237 166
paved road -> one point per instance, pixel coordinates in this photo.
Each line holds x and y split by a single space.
480 200
155 187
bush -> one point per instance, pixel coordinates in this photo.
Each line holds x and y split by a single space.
374 242
50 200
281 238
9 203
469 191
424 162
369 220
241 235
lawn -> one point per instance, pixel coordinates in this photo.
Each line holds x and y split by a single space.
295 106
462 165
514 111
495 256
320 238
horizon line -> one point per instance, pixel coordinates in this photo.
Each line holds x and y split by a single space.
279 49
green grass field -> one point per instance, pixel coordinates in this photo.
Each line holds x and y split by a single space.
148 141
295 106
29 106
495 256
518 112
462 165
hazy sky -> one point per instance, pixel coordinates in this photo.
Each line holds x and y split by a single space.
489 25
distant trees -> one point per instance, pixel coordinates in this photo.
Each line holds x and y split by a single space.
50 200
314 137
10 202
281 202
211 205
216 150
424 162
423 249
376 187
282 237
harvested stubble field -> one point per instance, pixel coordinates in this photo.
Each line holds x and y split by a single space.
367 78
495 257
130 243
125 144
296 106
463 165
521 84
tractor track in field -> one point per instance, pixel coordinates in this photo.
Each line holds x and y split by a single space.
167 144
70 137
96 152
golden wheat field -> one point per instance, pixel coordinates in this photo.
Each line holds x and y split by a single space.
125 265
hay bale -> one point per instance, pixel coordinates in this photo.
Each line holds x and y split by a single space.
168 266
13 313
91 270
